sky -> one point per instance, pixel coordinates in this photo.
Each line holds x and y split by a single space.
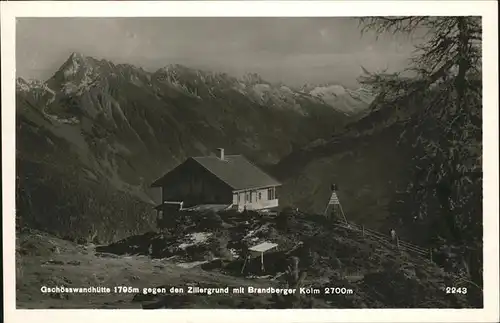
294 51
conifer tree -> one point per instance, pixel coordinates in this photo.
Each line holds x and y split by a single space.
439 99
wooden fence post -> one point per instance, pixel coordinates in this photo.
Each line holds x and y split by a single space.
363 229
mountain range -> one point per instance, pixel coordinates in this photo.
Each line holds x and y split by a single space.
92 138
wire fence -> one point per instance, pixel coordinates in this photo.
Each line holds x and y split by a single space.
401 245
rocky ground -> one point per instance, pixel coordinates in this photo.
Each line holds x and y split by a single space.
208 250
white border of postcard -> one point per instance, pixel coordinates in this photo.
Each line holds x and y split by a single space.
487 9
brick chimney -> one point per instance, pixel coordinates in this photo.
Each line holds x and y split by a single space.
221 153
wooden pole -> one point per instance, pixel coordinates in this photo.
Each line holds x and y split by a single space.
343 215
262 261
326 210
244 264
363 229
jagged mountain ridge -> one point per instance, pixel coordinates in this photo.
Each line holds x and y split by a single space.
350 101
117 126
80 72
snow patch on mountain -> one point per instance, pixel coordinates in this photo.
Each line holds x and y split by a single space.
363 94
32 85
330 94
343 99
286 89
261 90
68 121
74 65
252 79
332 90
38 90
78 74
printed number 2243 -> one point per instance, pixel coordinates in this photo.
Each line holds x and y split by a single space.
456 290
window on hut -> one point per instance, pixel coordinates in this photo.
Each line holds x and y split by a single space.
270 193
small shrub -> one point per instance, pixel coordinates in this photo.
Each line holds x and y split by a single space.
283 220
211 220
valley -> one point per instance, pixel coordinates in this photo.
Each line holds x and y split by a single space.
94 123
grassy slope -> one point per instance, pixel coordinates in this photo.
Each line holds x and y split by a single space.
76 208
59 193
379 275
48 261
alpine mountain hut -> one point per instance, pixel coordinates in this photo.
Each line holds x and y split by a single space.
223 182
